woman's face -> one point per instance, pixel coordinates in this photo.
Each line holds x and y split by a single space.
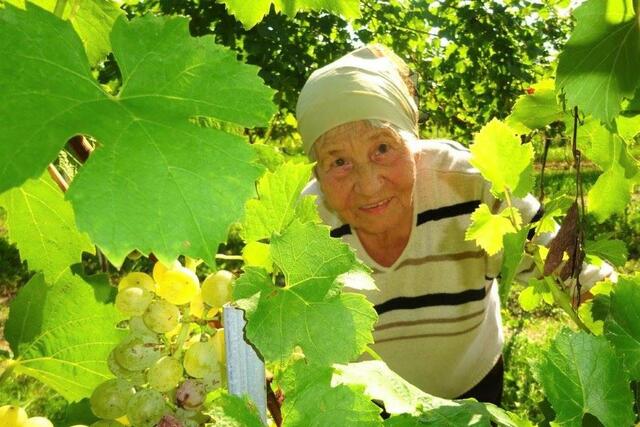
367 176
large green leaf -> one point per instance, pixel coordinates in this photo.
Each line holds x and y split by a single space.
610 194
381 383
622 326
580 374
252 12
143 187
312 401
502 159
92 20
279 202
62 334
615 251
297 312
42 225
537 109
599 64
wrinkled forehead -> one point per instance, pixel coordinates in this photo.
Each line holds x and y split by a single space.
343 135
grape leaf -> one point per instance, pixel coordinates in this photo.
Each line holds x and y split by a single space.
250 13
258 254
502 159
622 326
628 125
614 251
42 225
513 244
598 66
605 148
380 383
580 374
91 19
536 292
298 311
62 334
537 109
232 411
445 414
279 202
142 188
488 229
610 194
312 401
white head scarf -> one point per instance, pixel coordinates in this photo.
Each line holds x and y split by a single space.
360 85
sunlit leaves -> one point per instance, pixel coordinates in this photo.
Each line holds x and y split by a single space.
154 193
42 224
294 310
62 334
312 401
580 374
622 326
610 194
488 229
92 20
537 108
252 12
598 66
279 202
502 159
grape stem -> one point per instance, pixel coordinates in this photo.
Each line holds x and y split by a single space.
7 371
184 333
59 9
371 352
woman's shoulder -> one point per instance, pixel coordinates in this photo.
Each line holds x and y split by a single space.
444 155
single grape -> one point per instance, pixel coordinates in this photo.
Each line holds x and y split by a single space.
169 421
200 359
133 301
136 353
165 374
141 280
178 286
12 416
38 422
161 316
109 400
190 394
137 327
146 408
218 344
196 306
134 377
159 269
217 287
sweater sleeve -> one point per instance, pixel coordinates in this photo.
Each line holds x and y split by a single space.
532 211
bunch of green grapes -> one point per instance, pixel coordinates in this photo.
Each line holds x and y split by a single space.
173 355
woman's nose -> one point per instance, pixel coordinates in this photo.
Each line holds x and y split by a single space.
368 180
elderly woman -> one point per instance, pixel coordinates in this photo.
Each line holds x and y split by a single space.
404 204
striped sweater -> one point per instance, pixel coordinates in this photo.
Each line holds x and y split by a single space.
439 313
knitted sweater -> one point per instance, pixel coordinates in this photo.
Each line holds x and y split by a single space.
439 321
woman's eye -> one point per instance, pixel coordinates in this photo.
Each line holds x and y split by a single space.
383 148
339 162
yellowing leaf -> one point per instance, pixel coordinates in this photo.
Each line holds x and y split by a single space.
502 159
488 229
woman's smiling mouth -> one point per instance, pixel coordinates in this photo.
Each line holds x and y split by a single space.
376 208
